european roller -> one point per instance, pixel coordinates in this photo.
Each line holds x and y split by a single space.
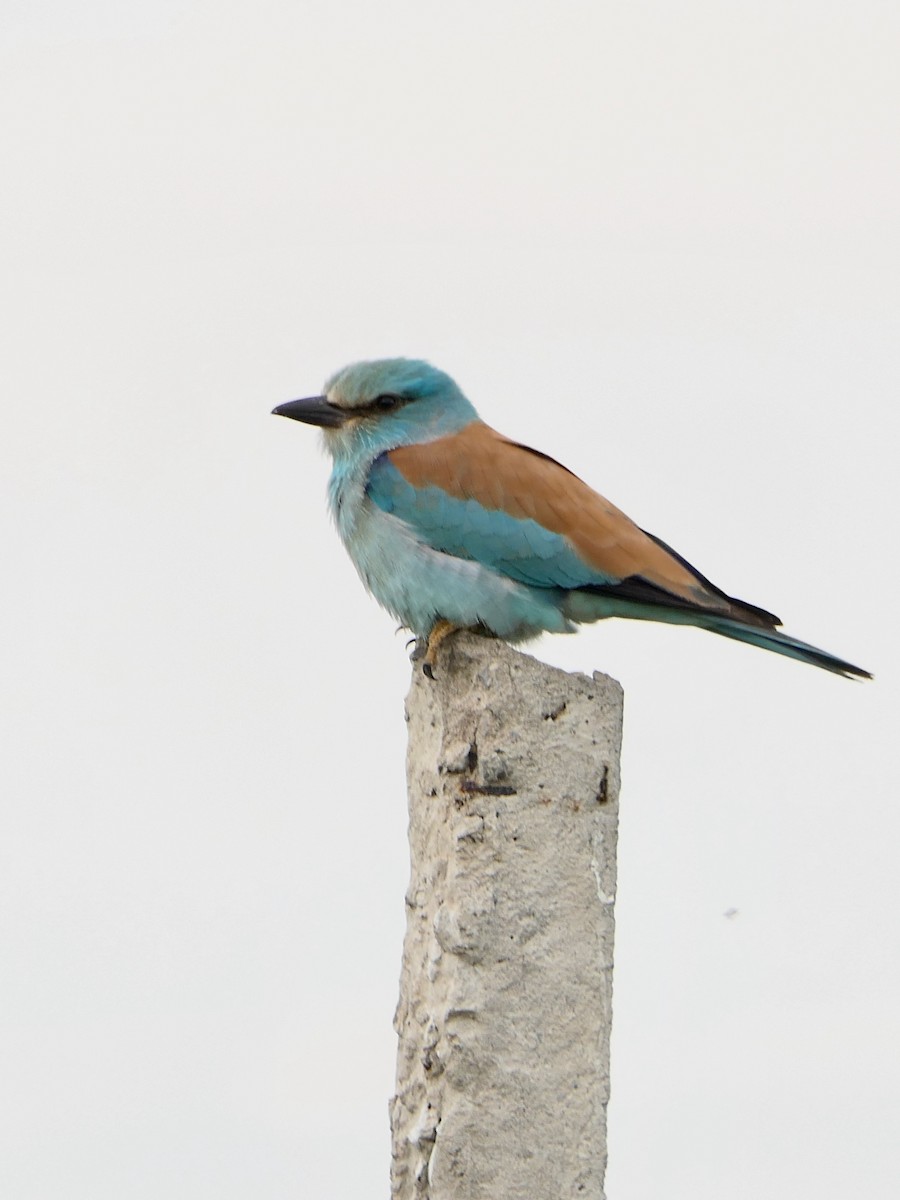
453 526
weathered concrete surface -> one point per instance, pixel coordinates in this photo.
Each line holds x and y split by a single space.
506 987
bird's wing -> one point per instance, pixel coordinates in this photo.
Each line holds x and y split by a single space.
477 495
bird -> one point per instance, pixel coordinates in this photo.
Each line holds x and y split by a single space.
453 526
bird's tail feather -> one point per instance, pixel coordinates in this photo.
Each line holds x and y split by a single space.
595 604
782 643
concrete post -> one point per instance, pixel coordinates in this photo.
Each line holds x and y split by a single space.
506 984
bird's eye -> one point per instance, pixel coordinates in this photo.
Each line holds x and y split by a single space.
386 402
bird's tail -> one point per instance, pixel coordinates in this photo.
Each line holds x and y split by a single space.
782 643
744 622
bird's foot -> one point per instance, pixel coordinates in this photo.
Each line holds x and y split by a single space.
440 631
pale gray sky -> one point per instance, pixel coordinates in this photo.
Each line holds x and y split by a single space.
659 242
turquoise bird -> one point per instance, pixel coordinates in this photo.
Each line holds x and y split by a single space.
453 526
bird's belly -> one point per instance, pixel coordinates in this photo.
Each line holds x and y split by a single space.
421 585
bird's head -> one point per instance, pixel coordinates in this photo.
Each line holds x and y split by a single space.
370 407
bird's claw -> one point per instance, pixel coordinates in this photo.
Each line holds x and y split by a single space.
420 653
439 633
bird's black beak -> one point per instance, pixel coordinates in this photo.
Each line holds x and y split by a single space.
314 410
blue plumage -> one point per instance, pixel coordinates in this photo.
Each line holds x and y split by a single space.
517 547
